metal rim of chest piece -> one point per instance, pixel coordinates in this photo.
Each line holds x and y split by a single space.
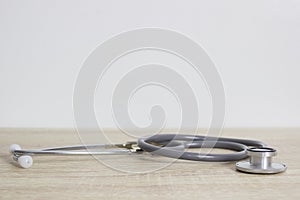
260 162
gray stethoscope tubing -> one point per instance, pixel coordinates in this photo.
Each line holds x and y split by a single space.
158 144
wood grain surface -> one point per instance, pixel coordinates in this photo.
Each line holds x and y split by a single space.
85 177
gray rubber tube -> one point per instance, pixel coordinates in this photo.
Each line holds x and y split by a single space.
174 146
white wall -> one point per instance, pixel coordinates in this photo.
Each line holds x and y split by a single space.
255 45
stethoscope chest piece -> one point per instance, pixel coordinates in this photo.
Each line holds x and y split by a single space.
260 162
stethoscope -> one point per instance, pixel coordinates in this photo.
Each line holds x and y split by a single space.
174 146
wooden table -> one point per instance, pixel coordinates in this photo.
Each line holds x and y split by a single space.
75 177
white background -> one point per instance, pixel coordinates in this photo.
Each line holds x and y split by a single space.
254 44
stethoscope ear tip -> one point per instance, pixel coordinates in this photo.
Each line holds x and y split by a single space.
25 161
14 147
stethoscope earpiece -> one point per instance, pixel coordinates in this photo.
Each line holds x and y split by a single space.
24 161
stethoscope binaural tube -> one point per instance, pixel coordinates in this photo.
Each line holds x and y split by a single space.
157 144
